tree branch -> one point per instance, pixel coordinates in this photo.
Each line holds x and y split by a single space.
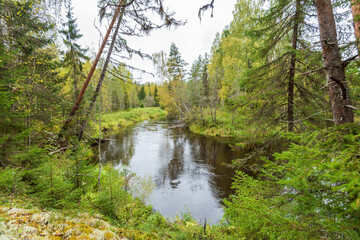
206 7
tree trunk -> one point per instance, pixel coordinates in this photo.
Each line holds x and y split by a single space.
355 9
76 91
102 76
99 147
334 69
292 70
92 70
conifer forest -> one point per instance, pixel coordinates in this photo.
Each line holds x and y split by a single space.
259 137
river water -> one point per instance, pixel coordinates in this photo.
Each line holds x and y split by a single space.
189 170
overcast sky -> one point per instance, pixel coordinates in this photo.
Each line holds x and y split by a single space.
193 39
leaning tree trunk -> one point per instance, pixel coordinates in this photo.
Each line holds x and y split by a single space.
102 76
355 9
76 91
291 83
92 70
334 67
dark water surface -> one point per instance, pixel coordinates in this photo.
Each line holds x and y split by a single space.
188 169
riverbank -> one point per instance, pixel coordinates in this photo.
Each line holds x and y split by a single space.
230 125
117 121
22 218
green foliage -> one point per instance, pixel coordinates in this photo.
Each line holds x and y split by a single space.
156 97
311 191
112 196
30 158
11 181
52 187
75 55
142 94
176 65
79 170
118 120
173 91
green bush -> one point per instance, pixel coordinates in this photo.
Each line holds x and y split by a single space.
311 191
53 188
11 181
30 158
112 196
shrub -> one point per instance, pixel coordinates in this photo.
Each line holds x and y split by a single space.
311 191
11 181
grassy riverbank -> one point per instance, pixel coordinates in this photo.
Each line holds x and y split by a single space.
118 120
22 218
229 125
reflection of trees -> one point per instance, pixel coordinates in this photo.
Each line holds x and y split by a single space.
122 149
201 158
214 155
207 157
171 170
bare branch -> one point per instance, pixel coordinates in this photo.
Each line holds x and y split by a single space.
205 8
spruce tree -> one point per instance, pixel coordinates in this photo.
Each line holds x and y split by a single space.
335 72
205 76
282 22
156 97
74 55
142 94
126 100
176 65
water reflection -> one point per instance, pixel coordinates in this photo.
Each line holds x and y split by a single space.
188 169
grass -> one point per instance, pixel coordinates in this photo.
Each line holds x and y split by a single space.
228 125
140 223
119 120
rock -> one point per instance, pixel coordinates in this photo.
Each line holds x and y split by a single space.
110 235
40 218
17 211
4 209
29 230
102 235
97 234
96 223
175 182
3 235
176 126
72 232
28 224
57 227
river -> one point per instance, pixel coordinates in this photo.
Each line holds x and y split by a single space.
189 170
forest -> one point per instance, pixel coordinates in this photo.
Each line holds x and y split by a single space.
282 73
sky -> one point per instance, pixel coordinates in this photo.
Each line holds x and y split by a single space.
193 39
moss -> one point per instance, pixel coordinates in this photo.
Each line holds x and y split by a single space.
109 235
